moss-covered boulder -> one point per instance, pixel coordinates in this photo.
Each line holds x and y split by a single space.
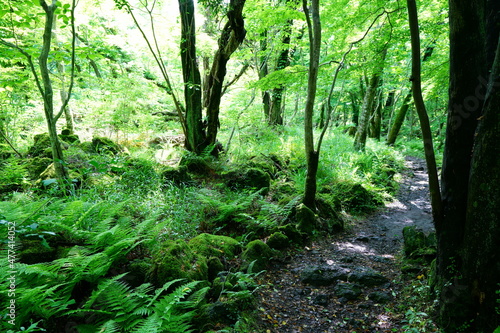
68 136
35 251
352 197
278 241
105 145
41 146
37 165
252 178
210 245
177 260
294 235
329 220
176 176
306 219
419 245
197 164
256 256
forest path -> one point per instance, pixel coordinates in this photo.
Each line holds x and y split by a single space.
322 289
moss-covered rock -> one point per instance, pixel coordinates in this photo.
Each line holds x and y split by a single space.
105 145
210 245
278 241
306 219
41 146
177 260
176 176
37 165
215 266
197 164
69 137
251 178
419 245
256 256
329 220
294 235
35 251
352 197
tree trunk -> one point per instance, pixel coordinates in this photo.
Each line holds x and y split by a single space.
232 36
398 120
468 73
422 112
481 255
312 156
275 113
263 71
366 110
195 137
48 93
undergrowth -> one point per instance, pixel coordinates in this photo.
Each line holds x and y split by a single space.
83 258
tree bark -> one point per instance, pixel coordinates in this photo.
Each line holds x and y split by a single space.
232 36
398 120
425 127
314 27
195 137
48 93
366 110
481 255
275 113
467 91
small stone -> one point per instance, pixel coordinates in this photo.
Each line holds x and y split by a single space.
349 291
322 300
380 297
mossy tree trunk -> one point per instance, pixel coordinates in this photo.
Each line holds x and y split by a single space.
399 120
231 37
195 135
368 103
312 155
276 110
48 92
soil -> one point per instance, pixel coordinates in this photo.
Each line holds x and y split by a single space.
288 305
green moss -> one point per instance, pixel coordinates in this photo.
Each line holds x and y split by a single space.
210 245
105 145
252 178
176 260
40 145
256 256
176 176
278 241
293 234
35 252
306 219
37 165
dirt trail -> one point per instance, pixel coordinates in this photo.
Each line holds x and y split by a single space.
288 304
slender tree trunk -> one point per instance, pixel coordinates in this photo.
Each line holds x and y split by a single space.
398 120
366 111
48 93
314 27
232 36
195 137
422 112
263 71
275 113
